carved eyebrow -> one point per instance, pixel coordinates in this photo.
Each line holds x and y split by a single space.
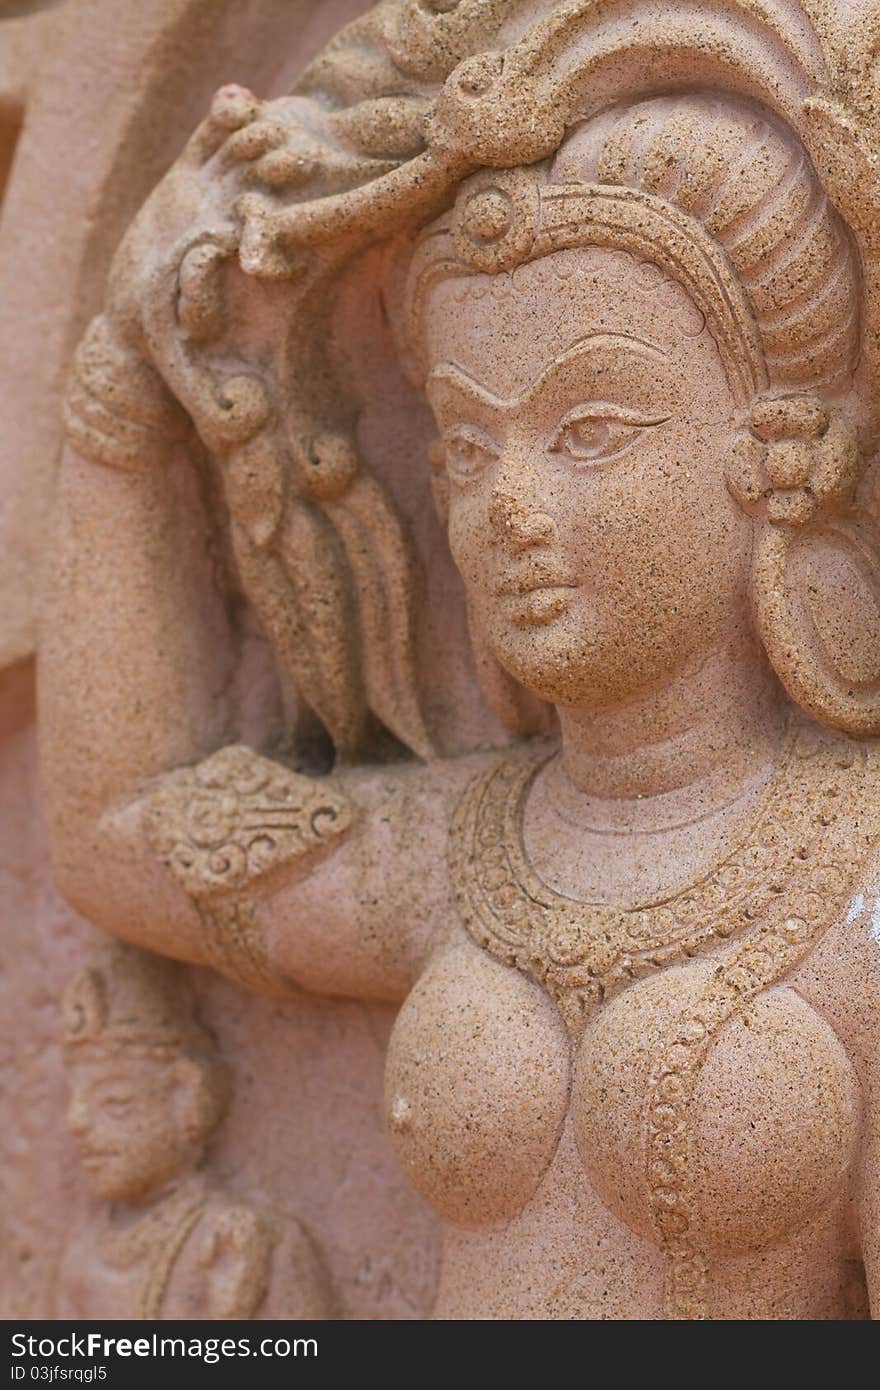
450 374
633 342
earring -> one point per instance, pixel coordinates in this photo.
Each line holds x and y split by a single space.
816 563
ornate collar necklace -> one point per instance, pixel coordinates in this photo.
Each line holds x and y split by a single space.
787 864
775 892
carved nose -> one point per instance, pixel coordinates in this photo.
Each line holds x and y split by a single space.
519 526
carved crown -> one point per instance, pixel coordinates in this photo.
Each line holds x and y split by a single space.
127 999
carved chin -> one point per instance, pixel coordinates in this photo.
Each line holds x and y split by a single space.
117 1178
556 655
112 1182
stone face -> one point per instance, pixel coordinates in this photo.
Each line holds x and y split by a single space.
460 630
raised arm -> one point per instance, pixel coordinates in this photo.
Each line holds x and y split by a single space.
212 856
136 659
198 359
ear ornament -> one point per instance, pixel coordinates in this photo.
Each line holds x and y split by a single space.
816 564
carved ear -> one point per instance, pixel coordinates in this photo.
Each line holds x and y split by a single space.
199 1095
817 611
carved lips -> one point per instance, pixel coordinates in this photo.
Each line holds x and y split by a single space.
536 599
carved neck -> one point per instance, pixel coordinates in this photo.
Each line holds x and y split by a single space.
182 1189
684 747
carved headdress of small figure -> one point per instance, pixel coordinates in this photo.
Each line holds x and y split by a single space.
127 1000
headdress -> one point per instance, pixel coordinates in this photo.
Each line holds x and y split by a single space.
399 110
713 193
130 1001
511 92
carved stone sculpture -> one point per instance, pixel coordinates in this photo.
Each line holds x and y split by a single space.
147 1091
629 257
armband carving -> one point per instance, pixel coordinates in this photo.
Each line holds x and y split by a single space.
224 825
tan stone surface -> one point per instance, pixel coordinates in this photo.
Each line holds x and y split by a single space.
463 597
110 99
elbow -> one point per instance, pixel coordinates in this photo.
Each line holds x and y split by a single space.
106 872
80 880
78 853
91 871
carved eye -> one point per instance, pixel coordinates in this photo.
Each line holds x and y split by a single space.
591 434
468 451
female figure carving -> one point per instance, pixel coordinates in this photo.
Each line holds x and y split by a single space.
634 1064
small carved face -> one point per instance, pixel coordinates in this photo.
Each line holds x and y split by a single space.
586 418
123 1113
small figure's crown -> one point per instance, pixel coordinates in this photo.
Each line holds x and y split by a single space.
127 998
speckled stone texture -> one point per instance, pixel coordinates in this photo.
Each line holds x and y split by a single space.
459 652
122 84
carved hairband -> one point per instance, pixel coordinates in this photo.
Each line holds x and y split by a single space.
503 220
797 457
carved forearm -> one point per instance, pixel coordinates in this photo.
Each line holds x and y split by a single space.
224 826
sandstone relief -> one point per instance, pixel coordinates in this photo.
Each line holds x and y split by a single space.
147 1092
463 597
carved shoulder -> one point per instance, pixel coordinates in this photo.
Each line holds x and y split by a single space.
367 918
229 824
841 977
338 883
237 816
226 1268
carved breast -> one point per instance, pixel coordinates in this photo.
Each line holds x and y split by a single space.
715 1112
476 1087
773 1119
